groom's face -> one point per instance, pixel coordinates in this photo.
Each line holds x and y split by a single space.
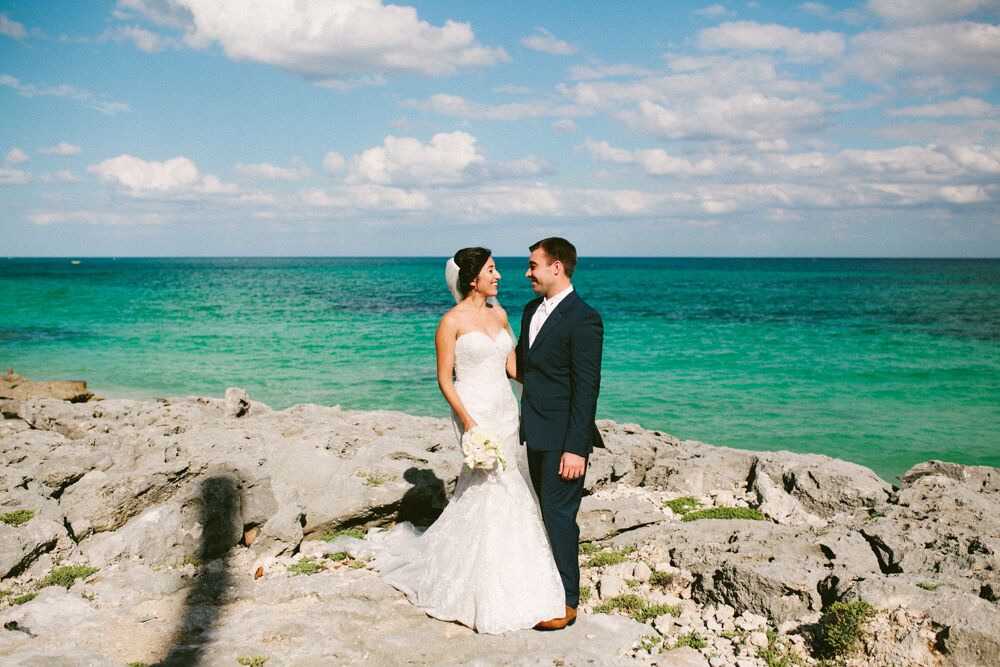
540 271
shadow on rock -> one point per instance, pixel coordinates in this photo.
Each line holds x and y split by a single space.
422 504
221 519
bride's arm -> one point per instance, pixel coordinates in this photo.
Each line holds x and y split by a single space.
512 357
444 342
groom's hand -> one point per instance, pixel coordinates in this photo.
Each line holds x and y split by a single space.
571 466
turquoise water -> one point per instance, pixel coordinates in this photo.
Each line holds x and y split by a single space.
885 362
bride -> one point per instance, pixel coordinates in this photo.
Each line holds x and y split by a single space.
486 561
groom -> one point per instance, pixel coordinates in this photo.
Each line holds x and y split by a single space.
559 363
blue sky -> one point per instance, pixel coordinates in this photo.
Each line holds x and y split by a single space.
355 127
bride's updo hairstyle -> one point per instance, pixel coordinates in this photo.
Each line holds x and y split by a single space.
470 262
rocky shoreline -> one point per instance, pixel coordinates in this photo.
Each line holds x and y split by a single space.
219 531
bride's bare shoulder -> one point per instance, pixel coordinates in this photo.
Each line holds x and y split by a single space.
452 319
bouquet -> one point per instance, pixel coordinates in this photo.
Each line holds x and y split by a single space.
481 449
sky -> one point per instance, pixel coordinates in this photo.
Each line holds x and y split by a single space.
356 127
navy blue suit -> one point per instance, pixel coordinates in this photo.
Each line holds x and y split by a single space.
561 372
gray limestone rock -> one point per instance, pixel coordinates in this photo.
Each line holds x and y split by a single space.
142 484
600 518
21 545
684 656
237 403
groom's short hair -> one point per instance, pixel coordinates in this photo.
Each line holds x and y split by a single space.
558 249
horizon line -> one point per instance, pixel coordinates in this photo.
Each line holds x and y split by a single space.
499 255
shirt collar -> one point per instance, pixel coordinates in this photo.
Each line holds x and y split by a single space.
550 304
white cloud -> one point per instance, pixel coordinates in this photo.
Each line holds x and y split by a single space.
911 12
932 58
143 39
708 98
601 71
522 168
975 159
453 105
353 83
817 8
43 218
16 156
711 11
539 200
512 90
546 42
11 28
84 97
742 117
447 159
654 161
62 148
268 171
333 162
177 176
166 13
63 176
323 39
753 36
564 125
964 106
367 196
850 15
10 176
964 194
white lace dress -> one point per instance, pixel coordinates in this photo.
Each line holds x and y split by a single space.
486 561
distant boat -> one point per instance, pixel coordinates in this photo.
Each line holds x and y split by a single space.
74 261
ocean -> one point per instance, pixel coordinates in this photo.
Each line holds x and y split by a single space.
884 362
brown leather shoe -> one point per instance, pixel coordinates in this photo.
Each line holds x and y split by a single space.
559 623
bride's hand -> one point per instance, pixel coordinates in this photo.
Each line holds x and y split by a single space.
469 425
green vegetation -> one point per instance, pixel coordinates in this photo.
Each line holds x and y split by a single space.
681 505
65 576
4 593
339 555
89 597
585 592
21 599
188 560
612 557
632 583
662 579
776 653
305 566
874 514
357 564
692 639
331 535
636 607
724 513
17 517
650 642
137 663
841 627
252 660
587 548
376 479
928 586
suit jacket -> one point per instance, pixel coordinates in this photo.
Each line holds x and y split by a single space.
562 377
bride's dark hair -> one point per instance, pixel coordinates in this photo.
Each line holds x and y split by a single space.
470 262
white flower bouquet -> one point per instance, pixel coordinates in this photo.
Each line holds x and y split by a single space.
481 449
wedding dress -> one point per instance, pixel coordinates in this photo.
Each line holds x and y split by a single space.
486 562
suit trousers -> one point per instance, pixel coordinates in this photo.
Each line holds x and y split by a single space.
560 501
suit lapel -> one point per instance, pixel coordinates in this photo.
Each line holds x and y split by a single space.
552 320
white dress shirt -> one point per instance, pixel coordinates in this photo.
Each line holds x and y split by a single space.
545 309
